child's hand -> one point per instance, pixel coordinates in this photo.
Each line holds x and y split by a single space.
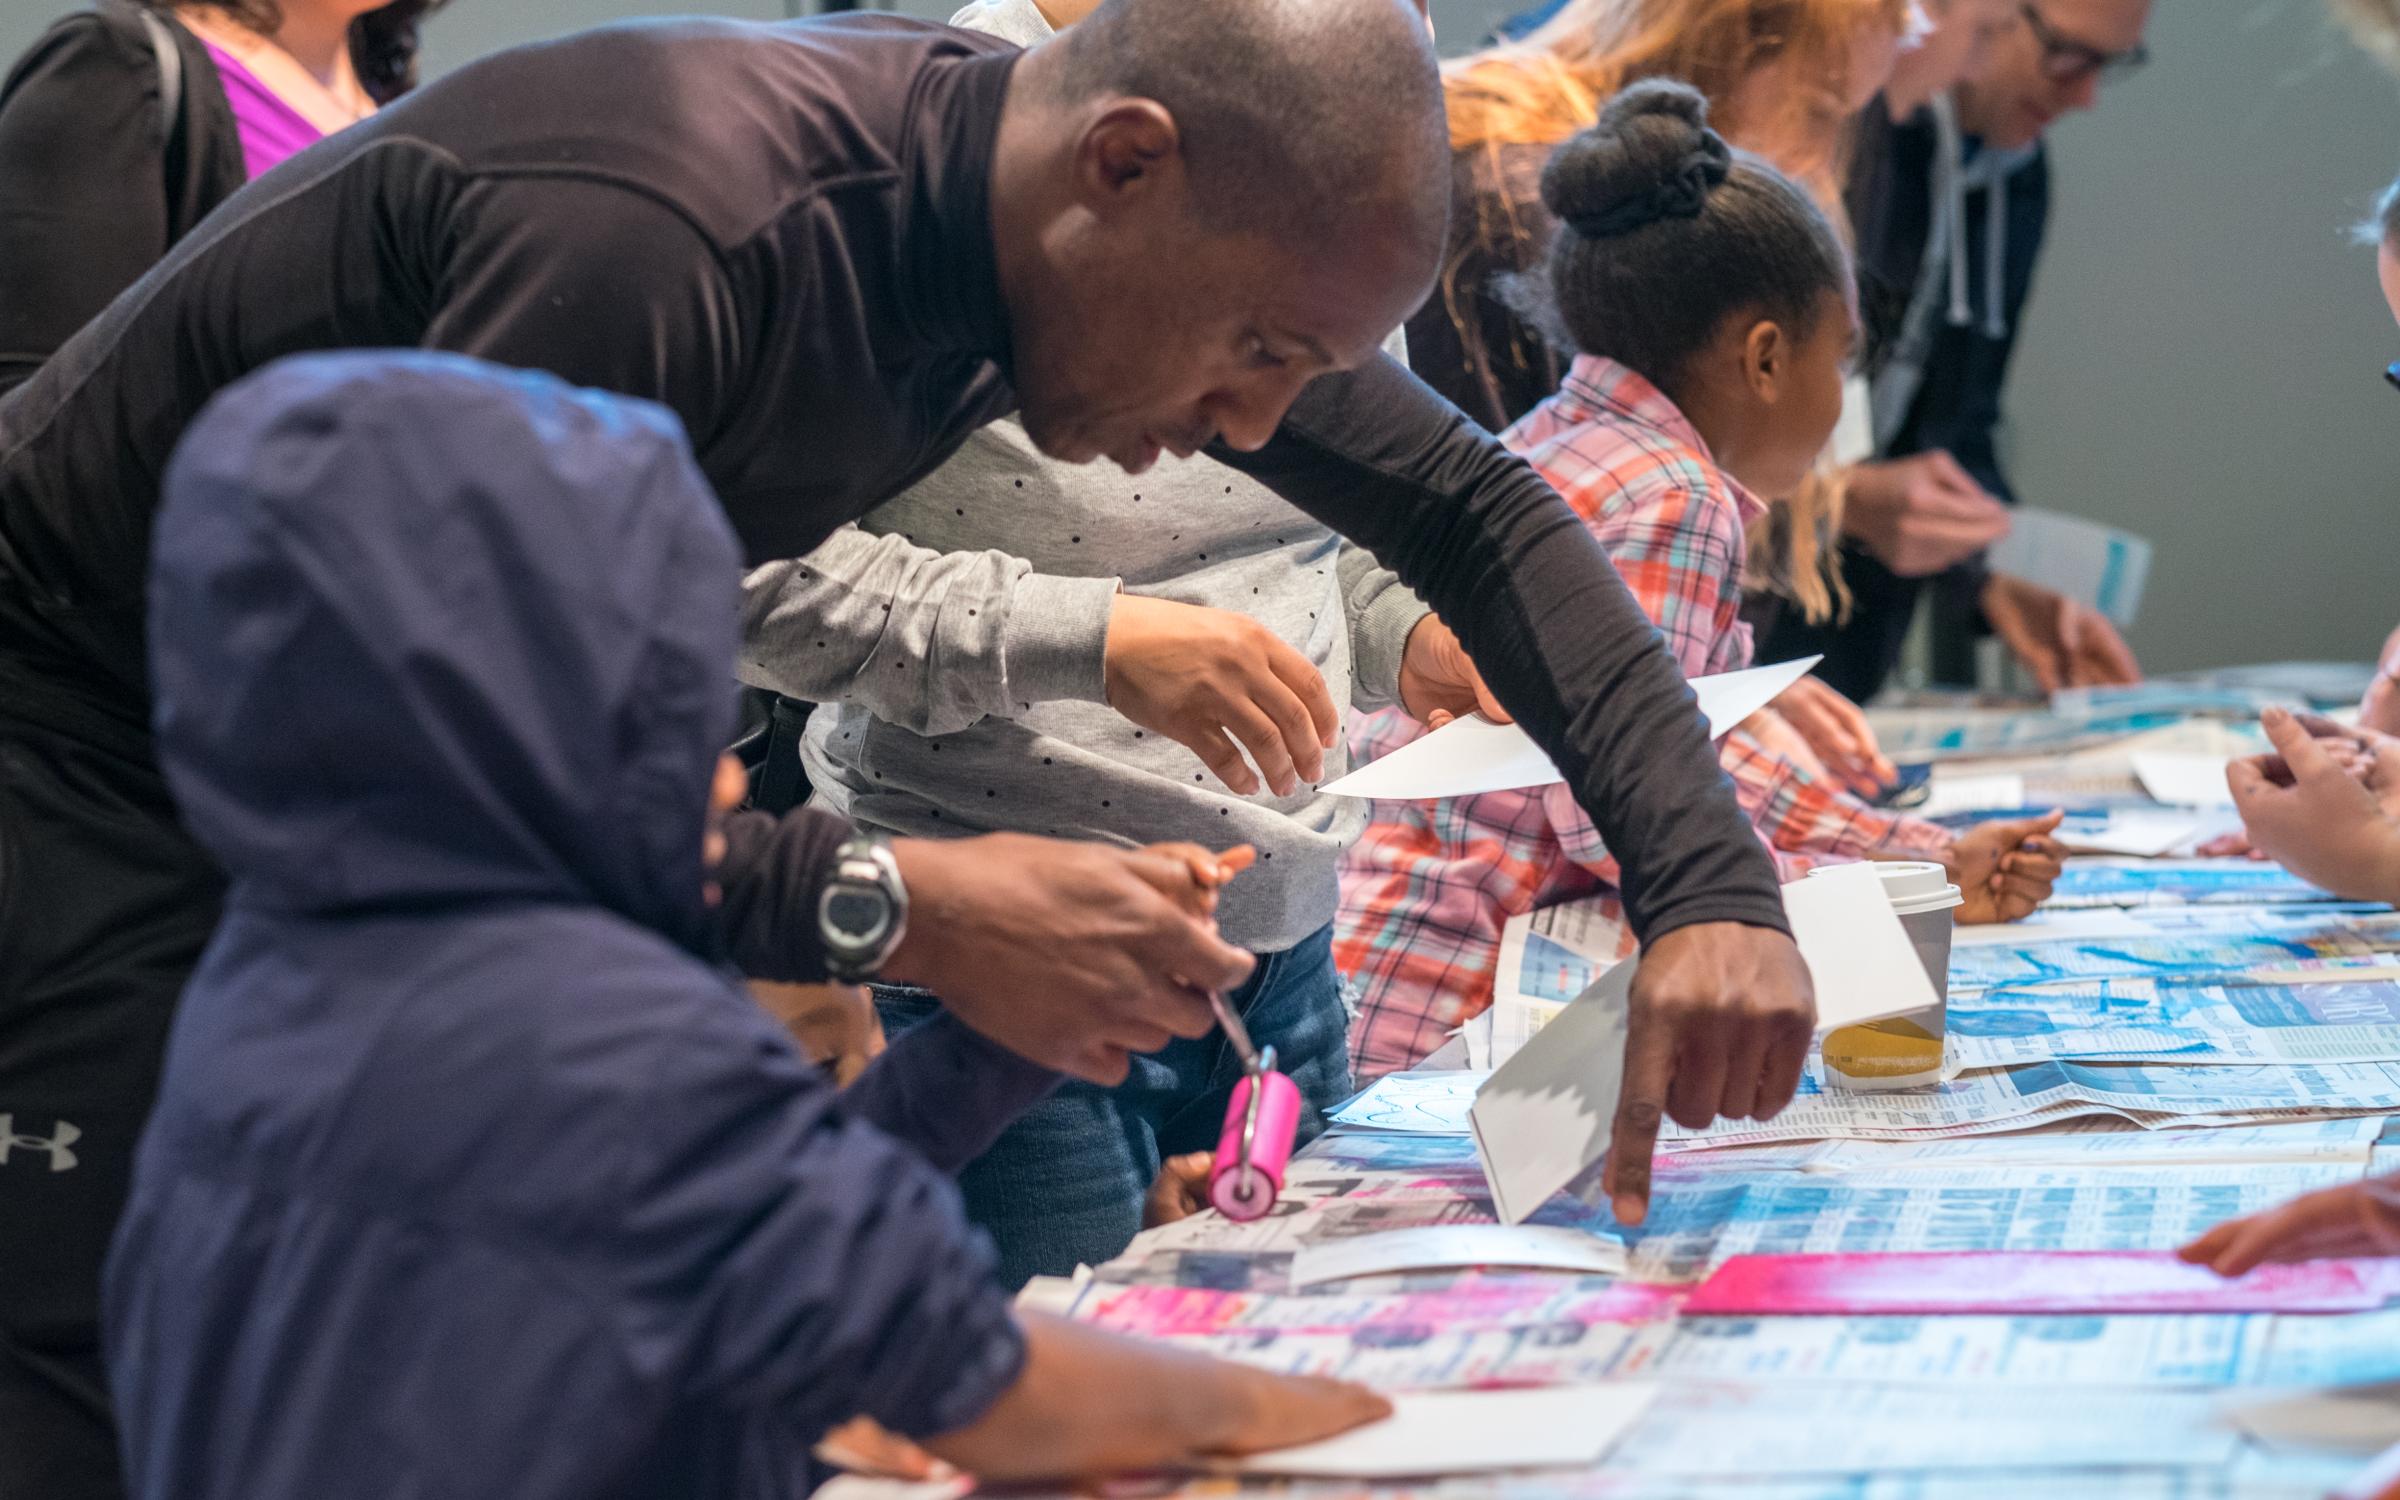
2302 807
2006 870
1088 1403
862 1447
834 1025
1438 681
1838 734
2335 1223
1180 1189
1207 873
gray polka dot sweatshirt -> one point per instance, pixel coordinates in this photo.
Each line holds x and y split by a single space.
956 638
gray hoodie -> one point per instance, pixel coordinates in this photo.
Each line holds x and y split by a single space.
957 634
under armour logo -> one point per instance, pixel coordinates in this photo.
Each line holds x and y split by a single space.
62 1157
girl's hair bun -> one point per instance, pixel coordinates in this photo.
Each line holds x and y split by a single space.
1650 157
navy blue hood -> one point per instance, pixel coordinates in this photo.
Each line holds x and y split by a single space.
425 631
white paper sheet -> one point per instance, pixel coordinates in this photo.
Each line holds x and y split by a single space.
1449 1246
1957 792
1473 754
1472 1432
2099 567
2140 832
2183 780
1547 1114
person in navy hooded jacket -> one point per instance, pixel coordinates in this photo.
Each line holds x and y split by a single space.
472 1173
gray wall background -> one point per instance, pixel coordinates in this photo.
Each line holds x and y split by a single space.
2201 361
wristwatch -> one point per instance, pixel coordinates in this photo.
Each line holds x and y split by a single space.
863 910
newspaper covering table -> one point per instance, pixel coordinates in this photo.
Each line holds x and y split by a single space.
2170 1045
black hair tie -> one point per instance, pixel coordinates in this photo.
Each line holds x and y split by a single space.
1680 195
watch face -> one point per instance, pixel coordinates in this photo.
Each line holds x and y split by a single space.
857 916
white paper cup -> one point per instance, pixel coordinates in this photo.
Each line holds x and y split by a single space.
1906 1051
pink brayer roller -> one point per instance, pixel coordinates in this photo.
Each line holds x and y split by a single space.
1261 1122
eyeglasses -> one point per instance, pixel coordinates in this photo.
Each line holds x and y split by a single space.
2066 60
2391 372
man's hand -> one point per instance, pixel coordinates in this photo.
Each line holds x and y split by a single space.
1838 735
1216 683
2337 1223
2302 807
1921 515
1437 681
2006 870
1075 956
1722 1015
2060 642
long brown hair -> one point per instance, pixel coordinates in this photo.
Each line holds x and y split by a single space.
383 42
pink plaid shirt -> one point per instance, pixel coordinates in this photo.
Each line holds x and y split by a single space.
1428 887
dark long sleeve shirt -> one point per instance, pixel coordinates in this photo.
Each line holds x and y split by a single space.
781 232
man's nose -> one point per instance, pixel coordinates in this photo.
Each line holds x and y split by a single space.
1246 414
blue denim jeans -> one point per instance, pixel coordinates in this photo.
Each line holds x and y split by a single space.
1064 1185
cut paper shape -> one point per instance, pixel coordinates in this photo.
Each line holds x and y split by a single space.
1547 1114
1473 754
1471 1432
2183 780
1455 1246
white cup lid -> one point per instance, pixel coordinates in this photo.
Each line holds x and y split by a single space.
1913 886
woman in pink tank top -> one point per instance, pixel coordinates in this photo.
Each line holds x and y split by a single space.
128 121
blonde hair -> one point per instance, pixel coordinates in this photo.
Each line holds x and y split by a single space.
2376 24
1551 83
1792 552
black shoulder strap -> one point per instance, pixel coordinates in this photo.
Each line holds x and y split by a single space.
170 73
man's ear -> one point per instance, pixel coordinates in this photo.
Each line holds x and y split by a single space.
1130 151
1766 359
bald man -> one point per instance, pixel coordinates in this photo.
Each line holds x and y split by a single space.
834 249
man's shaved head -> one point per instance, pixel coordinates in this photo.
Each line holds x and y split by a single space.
1295 115
1199 206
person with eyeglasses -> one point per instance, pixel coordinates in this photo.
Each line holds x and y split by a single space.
1950 196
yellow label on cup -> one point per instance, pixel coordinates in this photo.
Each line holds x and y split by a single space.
1899 1053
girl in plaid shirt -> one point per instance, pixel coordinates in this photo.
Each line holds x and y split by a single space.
1711 301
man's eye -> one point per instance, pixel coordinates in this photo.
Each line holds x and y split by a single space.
1262 357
